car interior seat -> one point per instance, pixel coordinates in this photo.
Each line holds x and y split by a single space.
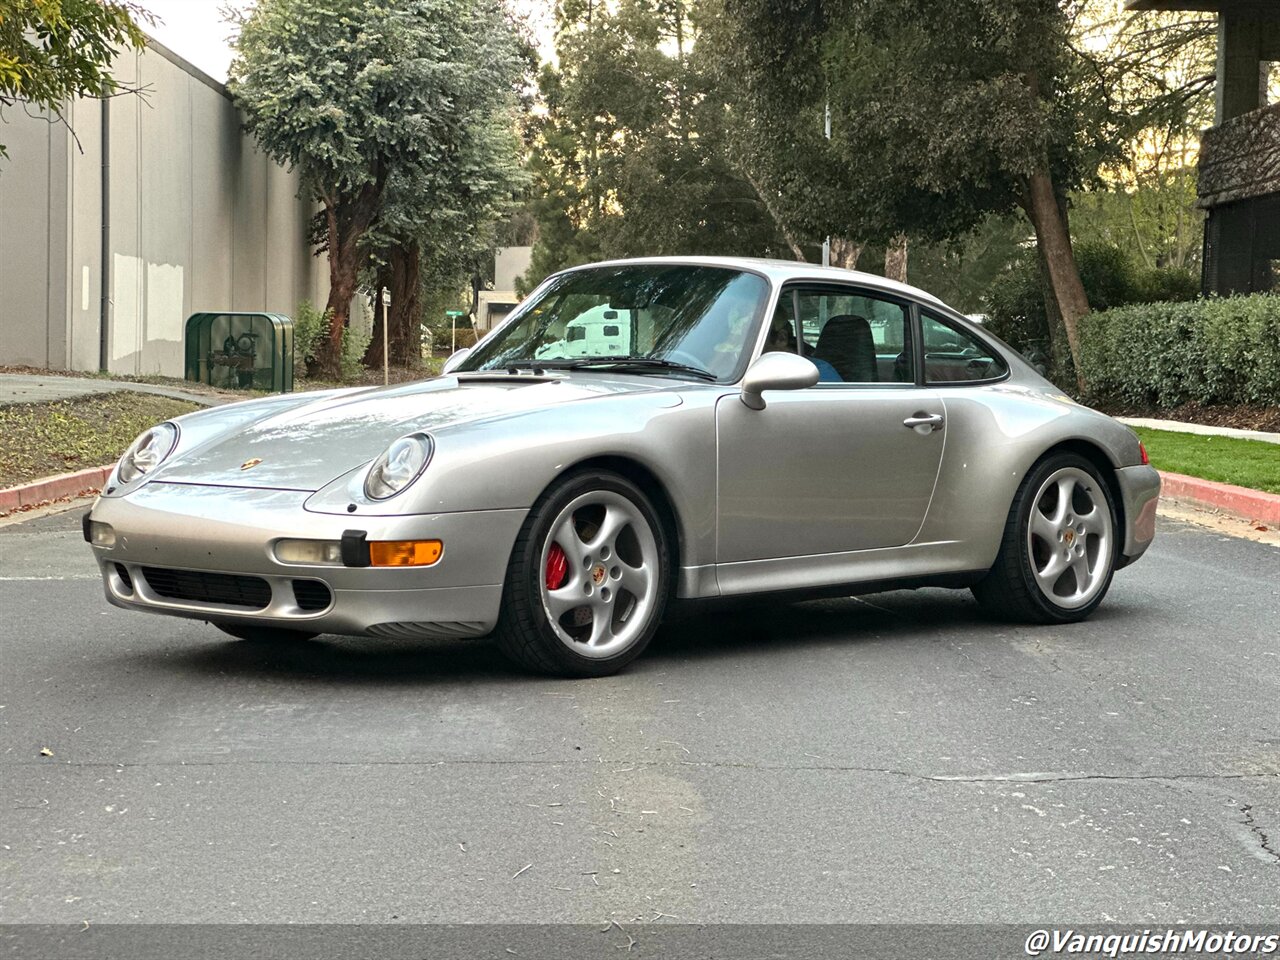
846 343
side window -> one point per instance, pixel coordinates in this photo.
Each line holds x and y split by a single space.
854 337
782 326
952 355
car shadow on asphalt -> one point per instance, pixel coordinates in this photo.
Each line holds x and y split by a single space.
759 626
706 634
345 660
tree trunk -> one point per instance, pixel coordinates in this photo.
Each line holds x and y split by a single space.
772 210
405 316
343 275
895 259
347 219
1054 241
845 253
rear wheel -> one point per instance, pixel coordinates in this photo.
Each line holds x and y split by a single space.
255 634
588 579
1058 552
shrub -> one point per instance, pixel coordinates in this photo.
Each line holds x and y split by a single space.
1015 302
1168 283
354 343
1014 305
1216 351
309 326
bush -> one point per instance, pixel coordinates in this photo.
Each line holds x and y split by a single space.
354 344
1015 303
1168 283
309 326
1212 351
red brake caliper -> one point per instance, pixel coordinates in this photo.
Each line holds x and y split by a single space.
557 567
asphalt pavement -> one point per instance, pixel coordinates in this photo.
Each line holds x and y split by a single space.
895 758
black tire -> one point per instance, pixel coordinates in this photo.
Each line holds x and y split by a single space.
526 633
255 634
1013 589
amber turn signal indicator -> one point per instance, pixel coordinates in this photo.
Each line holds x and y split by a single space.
404 553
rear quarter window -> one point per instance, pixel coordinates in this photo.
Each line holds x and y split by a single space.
953 355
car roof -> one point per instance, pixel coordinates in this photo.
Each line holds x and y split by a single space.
780 271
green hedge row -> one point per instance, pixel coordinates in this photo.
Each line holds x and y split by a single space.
1212 351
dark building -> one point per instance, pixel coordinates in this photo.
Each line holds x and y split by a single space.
1239 181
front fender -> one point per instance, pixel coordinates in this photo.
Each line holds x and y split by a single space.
506 463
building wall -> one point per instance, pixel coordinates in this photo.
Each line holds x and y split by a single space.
199 220
509 265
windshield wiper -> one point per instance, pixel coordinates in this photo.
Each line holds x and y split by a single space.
636 363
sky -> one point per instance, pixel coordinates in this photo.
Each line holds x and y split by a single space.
195 30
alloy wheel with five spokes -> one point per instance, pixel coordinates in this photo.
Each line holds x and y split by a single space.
1059 547
1069 538
588 579
600 562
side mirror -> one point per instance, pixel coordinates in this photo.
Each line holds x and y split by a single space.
776 371
455 359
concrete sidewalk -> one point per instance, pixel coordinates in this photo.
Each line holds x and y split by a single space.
1177 426
36 388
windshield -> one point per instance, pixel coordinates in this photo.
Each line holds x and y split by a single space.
647 317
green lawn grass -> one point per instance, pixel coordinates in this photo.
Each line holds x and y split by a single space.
1246 463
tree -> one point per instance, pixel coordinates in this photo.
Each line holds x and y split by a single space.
436 225
361 95
942 114
52 51
1161 71
632 157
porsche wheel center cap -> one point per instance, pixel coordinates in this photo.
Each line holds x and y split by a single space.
1069 536
598 574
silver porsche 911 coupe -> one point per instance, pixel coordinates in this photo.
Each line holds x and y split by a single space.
635 433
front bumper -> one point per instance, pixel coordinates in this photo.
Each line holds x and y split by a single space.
1139 495
181 529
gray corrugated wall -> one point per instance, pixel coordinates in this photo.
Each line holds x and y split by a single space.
199 220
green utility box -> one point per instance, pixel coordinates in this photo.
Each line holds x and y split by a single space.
241 351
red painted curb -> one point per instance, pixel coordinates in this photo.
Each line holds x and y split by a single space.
1241 502
53 488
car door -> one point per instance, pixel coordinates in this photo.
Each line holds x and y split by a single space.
848 464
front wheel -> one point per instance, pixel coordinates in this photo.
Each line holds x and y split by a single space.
588 579
1058 552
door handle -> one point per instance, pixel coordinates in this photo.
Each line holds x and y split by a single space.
931 420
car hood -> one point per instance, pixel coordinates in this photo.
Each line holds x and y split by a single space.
306 447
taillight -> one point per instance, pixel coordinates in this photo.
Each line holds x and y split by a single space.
1143 450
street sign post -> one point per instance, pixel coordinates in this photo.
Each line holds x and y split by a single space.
453 316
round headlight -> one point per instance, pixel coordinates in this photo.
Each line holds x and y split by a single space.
147 452
399 465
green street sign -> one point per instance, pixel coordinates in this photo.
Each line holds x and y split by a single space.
454 313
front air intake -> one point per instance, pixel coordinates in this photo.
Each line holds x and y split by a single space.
312 595
197 586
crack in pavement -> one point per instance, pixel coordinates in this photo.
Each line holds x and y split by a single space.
1014 778
1246 810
